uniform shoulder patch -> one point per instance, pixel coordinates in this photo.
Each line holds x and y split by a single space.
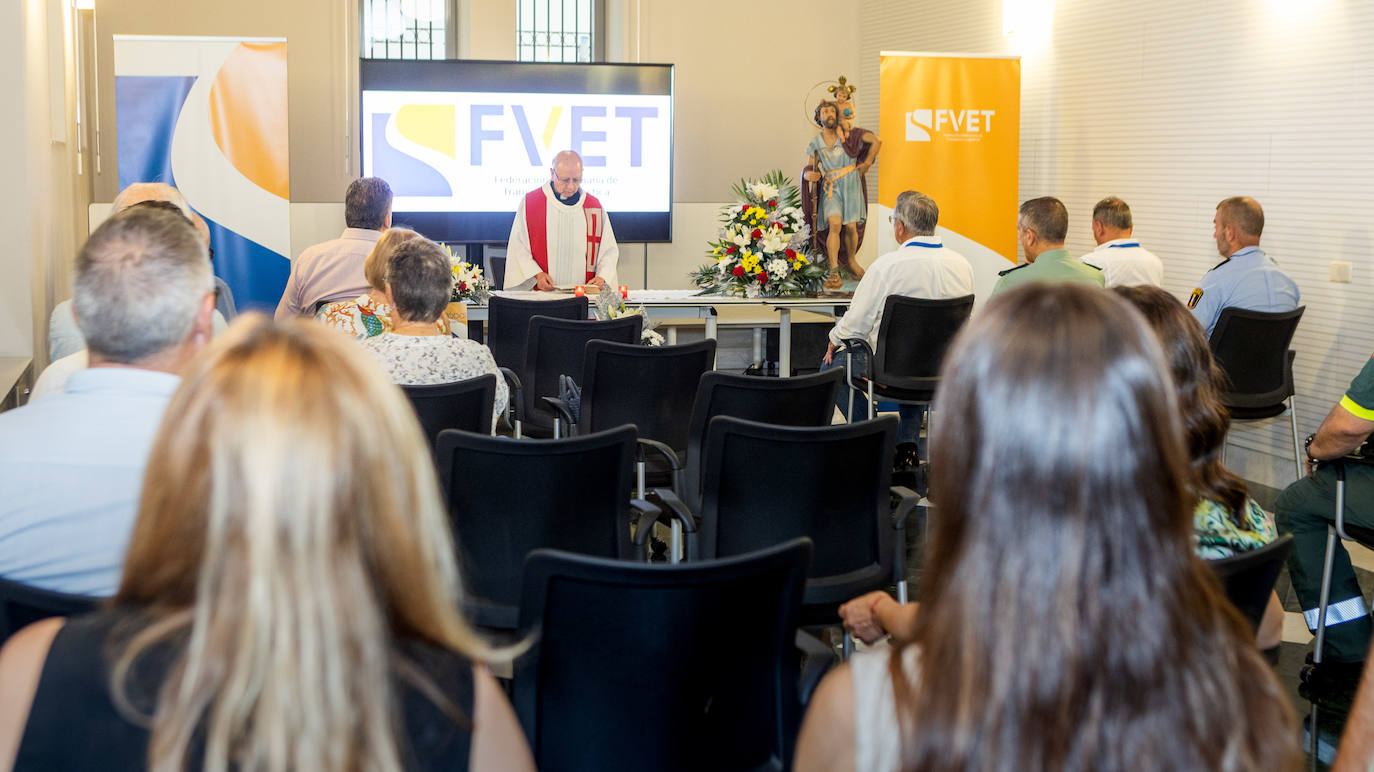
1194 298
1013 268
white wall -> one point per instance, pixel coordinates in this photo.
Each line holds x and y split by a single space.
37 210
1175 105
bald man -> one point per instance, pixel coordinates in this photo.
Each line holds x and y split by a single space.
1247 278
561 235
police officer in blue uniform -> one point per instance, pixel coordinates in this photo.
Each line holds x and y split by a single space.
1247 278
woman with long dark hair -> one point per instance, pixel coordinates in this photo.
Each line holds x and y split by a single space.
1066 622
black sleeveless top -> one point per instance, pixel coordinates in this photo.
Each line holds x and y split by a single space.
74 724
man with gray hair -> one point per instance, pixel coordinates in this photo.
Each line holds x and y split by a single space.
1120 257
71 465
922 267
65 338
333 270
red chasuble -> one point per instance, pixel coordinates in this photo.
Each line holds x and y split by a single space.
537 223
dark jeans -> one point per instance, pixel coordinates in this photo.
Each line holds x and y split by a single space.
1305 508
909 417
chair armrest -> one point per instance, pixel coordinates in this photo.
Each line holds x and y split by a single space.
668 453
645 515
818 659
563 413
906 504
857 343
516 389
666 499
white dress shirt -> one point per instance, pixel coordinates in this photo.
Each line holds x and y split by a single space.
1125 263
921 268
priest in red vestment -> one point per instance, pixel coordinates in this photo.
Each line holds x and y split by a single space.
561 235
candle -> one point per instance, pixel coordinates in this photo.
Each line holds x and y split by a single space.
579 290
624 291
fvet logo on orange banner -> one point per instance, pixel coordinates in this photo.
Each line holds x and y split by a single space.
956 125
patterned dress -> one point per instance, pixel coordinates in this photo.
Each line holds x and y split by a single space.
419 360
364 317
1216 535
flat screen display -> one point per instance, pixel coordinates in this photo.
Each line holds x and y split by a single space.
461 142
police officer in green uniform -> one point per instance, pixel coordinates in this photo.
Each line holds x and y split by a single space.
1042 225
1305 508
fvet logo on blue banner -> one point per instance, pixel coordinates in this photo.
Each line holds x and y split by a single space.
444 151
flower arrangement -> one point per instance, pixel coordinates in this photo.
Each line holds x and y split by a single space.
610 305
468 281
763 247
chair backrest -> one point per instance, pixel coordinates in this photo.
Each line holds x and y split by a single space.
652 387
1251 348
806 400
23 604
666 667
508 322
1249 577
507 497
765 484
464 405
557 347
913 338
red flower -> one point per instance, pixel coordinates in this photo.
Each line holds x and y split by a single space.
772 205
757 234
731 250
791 254
763 277
744 208
739 270
462 286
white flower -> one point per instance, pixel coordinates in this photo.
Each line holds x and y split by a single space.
651 337
751 290
777 268
763 190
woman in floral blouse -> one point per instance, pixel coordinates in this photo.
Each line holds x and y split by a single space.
1226 520
419 281
370 315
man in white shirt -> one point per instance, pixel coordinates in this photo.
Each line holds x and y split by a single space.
561 235
71 465
1121 259
921 268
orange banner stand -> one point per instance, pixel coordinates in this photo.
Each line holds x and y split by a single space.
951 128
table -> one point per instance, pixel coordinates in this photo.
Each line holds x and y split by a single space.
687 304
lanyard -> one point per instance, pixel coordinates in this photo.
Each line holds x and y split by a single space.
1126 244
914 243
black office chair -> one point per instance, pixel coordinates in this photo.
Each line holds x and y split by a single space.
1249 577
1334 530
463 405
652 387
508 323
23 604
1251 348
912 339
557 347
689 667
506 498
765 484
806 400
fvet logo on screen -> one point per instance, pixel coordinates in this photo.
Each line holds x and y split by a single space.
964 125
590 129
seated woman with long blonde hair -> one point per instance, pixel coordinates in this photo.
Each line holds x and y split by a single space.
290 596
1066 622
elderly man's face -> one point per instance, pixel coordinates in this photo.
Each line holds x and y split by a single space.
567 177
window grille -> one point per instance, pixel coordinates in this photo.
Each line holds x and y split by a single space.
555 30
405 29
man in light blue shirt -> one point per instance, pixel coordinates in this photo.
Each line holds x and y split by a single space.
1247 278
71 466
